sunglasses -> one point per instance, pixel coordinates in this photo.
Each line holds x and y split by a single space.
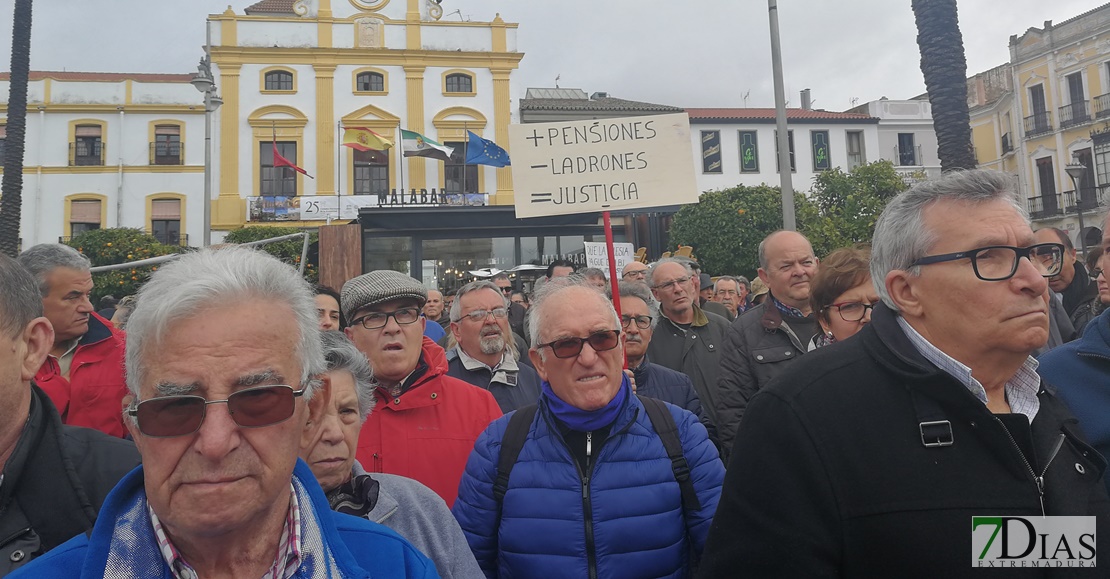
170 416
571 347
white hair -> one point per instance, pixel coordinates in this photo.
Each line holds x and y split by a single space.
635 289
684 263
343 356
554 287
44 258
210 278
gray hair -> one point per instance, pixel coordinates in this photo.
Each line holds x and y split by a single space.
591 272
901 236
728 278
499 275
213 277
635 289
342 355
19 298
762 251
651 270
44 258
552 288
743 280
456 306
124 308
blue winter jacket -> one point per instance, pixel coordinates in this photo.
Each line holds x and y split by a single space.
1080 373
627 521
357 547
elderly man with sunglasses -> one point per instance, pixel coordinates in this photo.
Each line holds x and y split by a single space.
870 457
223 352
426 422
592 490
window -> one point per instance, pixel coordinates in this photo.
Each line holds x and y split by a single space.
459 177
165 221
279 80
87 146
277 181
371 172
1087 185
1102 159
854 145
711 151
167 145
1047 179
84 216
749 152
907 152
790 140
370 82
460 83
819 143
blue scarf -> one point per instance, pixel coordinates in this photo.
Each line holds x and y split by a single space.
586 420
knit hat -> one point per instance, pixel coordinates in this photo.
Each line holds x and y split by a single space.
379 287
758 287
705 280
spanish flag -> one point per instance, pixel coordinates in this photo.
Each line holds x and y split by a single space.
364 139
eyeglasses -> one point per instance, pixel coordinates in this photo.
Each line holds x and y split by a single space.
852 311
642 322
507 289
375 320
638 273
1096 272
481 315
570 347
1000 262
666 286
170 416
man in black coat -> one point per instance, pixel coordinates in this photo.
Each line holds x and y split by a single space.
870 457
54 477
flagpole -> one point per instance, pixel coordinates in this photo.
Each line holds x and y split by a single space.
466 145
338 161
401 161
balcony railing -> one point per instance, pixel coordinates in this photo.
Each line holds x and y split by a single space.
165 154
1075 114
1045 206
1038 123
83 153
1007 146
908 156
1101 105
1089 198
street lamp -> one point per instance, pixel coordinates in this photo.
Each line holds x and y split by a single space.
1076 170
205 83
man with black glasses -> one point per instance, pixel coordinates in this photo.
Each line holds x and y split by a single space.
223 358
592 481
485 355
425 421
870 457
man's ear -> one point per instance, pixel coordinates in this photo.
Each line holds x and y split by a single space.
455 331
38 335
537 363
901 287
762 275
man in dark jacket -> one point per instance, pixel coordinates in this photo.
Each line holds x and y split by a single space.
55 477
83 375
769 337
870 457
483 355
687 339
1073 286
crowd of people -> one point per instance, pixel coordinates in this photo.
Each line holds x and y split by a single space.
230 420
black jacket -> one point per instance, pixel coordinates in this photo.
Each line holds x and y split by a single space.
830 478
525 391
661 383
694 351
54 483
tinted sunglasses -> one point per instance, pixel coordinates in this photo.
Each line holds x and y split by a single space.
169 416
571 347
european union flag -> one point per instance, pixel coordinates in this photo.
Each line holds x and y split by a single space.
482 152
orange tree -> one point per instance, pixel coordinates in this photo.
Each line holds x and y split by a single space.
115 246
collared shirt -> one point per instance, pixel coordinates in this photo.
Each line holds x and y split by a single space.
1021 389
504 373
66 359
289 547
787 310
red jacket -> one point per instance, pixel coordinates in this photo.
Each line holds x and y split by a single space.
93 395
428 432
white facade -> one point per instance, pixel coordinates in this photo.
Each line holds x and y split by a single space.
906 135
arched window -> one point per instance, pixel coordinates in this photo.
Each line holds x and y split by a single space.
460 83
370 82
279 80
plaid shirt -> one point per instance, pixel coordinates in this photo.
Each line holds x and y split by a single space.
289 547
787 310
1021 388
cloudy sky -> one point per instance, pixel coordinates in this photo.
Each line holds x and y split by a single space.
694 53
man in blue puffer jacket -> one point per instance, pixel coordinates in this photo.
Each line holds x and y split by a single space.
593 492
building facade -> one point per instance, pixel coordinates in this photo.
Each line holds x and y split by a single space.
905 137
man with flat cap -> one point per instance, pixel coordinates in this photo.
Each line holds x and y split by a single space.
426 422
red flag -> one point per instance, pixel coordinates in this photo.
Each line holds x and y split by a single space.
280 161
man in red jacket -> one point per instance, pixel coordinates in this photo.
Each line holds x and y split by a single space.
425 422
83 375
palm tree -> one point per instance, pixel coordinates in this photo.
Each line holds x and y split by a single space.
945 70
11 191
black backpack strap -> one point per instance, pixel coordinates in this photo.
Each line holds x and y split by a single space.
515 435
665 427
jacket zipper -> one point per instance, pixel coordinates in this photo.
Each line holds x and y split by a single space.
1038 480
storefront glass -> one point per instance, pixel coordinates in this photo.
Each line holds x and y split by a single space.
387 253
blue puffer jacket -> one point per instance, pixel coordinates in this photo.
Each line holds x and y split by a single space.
631 506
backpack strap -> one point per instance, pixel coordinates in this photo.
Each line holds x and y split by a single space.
511 443
665 427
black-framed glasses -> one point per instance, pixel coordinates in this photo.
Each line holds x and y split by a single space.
375 320
640 273
852 311
642 322
666 286
570 347
1096 272
170 416
1000 262
481 315
507 289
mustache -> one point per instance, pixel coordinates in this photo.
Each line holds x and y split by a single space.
634 338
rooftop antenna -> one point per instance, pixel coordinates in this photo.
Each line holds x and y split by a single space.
459 12
745 97
557 77
853 101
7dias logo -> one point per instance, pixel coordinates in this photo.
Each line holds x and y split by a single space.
1013 542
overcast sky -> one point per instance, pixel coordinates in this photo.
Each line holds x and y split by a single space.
694 53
